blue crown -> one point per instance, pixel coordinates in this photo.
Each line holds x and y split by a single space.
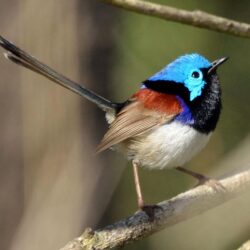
181 71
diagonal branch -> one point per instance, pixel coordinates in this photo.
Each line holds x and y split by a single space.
195 18
245 246
175 210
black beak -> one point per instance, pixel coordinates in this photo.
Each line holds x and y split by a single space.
217 63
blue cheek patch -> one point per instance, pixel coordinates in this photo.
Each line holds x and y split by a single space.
194 94
180 70
195 87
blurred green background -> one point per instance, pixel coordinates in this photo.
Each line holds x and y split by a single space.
145 45
52 184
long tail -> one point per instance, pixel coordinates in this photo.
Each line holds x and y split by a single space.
21 57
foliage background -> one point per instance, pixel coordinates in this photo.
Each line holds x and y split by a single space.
51 184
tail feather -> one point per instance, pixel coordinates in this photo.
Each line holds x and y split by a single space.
21 57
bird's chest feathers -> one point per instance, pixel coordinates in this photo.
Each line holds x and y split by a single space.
160 102
168 146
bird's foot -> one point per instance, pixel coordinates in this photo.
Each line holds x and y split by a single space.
203 180
150 210
213 183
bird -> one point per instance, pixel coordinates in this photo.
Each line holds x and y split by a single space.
164 124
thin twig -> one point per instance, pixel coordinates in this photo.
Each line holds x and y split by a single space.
195 18
182 207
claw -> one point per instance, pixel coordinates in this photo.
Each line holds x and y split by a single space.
213 183
203 180
150 211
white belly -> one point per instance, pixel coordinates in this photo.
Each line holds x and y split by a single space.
168 146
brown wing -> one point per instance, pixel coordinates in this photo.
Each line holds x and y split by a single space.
133 120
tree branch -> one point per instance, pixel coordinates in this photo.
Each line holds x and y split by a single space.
245 246
175 210
195 18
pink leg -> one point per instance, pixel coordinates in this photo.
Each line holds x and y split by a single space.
202 179
148 209
140 200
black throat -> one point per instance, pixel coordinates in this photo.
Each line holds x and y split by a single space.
205 109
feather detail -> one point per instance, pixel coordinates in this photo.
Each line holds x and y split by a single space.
137 118
160 102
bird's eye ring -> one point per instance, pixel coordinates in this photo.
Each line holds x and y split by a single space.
195 74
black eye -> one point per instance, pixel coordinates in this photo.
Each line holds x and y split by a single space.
195 74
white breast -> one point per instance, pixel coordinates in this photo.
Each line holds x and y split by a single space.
168 146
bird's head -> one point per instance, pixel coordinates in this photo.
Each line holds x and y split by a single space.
189 74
